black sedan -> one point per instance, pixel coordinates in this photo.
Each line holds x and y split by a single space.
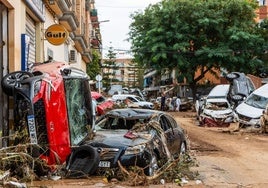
136 137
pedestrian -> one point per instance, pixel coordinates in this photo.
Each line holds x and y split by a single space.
178 103
163 101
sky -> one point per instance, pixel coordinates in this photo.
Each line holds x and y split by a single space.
114 18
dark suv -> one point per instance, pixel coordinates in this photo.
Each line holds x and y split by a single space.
52 109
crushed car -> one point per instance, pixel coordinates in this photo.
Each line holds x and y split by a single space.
52 111
216 109
130 137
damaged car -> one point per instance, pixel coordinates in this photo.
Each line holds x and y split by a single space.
216 112
132 137
52 111
241 86
249 112
216 109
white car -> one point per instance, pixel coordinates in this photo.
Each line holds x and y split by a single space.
249 111
134 100
216 112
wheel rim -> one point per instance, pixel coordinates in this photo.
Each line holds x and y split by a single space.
153 166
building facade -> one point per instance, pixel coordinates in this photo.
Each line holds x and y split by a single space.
43 30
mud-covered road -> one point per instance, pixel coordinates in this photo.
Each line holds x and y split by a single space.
225 159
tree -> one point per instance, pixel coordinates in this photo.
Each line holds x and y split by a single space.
94 68
204 35
109 69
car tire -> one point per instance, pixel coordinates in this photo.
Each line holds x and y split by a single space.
82 162
232 76
152 166
9 81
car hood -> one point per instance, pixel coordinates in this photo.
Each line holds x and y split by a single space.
218 113
249 111
116 138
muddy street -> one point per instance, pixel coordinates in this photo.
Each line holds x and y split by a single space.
227 158
224 158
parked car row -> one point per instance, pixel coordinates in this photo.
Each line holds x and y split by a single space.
238 101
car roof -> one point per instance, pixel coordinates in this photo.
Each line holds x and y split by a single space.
219 91
262 91
95 94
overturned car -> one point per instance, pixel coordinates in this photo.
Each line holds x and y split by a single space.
129 137
52 111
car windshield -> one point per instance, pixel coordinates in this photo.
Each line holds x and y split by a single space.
79 108
118 123
217 105
139 98
257 101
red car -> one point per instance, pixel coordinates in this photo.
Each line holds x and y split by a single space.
52 109
103 104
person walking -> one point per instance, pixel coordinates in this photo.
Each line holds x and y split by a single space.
178 103
163 101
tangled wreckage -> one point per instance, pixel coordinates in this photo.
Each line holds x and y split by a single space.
52 131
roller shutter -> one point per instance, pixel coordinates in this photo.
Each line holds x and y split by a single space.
30 30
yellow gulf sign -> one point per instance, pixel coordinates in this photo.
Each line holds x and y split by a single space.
56 34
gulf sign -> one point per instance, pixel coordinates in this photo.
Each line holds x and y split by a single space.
56 34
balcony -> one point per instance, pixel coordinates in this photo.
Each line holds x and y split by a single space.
58 6
80 43
69 21
87 57
93 12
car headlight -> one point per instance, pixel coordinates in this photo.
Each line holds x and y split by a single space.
255 121
135 149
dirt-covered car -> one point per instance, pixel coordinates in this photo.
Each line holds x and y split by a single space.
132 137
52 110
216 112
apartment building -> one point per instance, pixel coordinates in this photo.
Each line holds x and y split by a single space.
40 30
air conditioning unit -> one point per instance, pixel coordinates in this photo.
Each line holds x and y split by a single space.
73 56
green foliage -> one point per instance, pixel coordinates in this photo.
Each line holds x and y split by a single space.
191 35
93 68
109 69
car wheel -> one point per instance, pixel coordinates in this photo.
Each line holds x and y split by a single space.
9 81
232 76
152 166
82 162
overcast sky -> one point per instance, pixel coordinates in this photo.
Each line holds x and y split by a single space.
114 32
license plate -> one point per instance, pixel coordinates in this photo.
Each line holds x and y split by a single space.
106 164
32 130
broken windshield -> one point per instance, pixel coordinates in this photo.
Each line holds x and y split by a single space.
257 101
79 108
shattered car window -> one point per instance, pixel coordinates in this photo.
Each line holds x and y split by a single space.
79 109
257 101
119 123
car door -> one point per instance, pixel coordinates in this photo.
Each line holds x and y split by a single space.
169 133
